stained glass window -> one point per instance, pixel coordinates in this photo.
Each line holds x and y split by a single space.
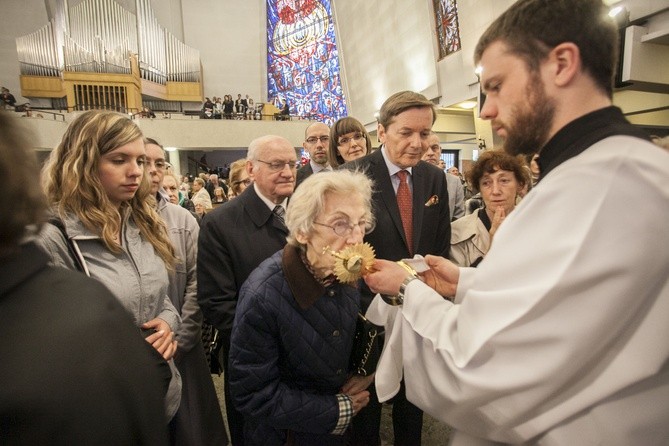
302 59
448 30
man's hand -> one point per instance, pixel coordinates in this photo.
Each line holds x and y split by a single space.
443 275
386 277
163 339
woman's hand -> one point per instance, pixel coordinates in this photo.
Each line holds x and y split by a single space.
357 383
359 400
163 339
497 219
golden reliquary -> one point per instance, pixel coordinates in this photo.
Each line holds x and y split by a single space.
352 262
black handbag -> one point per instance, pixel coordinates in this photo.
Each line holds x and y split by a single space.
366 349
211 341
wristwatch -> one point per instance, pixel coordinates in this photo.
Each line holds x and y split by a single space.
399 298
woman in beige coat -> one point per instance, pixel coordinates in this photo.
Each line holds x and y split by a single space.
499 177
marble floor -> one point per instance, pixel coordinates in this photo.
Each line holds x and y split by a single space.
435 433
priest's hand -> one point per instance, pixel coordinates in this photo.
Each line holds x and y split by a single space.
443 275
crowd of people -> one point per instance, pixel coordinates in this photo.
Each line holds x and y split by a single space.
536 317
229 108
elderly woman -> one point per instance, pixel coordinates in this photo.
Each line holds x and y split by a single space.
294 326
348 141
500 178
200 194
238 178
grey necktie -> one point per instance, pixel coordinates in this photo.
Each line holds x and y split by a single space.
279 212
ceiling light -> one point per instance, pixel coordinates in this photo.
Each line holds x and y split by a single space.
467 105
615 11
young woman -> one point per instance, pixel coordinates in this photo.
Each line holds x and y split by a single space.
219 196
96 184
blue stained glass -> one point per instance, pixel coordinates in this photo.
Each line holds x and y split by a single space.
302 59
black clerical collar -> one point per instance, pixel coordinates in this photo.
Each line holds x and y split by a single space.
583 132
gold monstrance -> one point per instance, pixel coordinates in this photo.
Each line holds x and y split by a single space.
352 262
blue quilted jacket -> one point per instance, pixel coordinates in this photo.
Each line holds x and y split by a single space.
289 355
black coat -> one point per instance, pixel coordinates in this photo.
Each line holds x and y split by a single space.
303 173
234 239
75 368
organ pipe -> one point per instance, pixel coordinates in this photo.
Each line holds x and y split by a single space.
100 36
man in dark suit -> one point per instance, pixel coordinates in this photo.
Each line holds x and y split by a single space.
316 140
237 236
422 227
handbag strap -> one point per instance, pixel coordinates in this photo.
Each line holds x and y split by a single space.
58 223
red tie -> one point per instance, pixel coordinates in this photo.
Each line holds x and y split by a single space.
406 208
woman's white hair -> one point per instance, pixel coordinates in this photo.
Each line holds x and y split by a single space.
309 199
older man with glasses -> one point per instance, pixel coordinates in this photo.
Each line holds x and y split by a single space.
236 237
316 141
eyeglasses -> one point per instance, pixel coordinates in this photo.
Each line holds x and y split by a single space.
347 139
345 228
278 166
315 139
160 164
245 182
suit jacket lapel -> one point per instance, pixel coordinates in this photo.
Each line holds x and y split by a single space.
258 210
418 201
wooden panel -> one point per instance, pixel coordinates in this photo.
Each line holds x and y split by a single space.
153 89
268 111
99 78
184 91
42 87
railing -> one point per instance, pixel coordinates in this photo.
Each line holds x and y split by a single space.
31 112
54 114
116 108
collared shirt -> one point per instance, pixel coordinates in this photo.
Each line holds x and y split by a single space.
393 169
271 205
319 167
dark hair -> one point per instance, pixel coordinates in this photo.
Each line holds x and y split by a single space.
154 142
402 101
343 126
531 28
23 202
491 161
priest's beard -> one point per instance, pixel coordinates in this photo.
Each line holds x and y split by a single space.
531 121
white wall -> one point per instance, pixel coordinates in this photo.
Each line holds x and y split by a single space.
385 46
19 17
457 80
230 35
